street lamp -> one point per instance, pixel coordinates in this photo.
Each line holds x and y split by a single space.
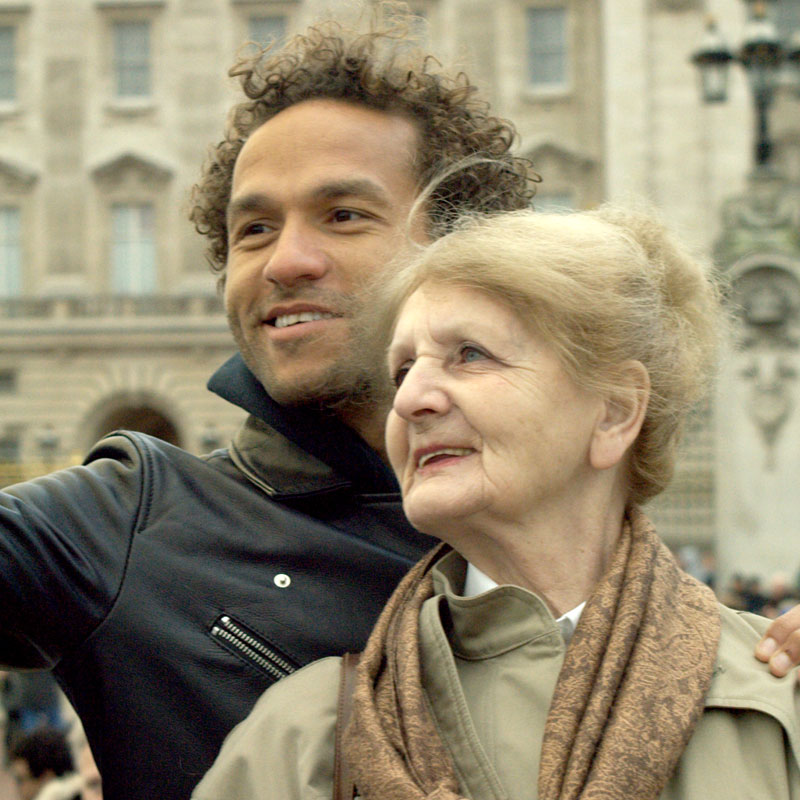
761 54
712 58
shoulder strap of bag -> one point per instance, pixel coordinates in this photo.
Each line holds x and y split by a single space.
343 786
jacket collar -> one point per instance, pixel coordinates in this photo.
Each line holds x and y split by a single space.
340 457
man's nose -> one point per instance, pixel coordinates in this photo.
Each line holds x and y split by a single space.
422 393
296 256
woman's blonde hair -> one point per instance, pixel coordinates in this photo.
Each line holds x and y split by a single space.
602 287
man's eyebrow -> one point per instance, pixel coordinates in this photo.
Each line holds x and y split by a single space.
363 188
257 201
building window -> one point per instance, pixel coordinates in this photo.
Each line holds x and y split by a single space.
8 381
547 47
133 249
418 27
554 202
9 448
10 252
132 59
266 30
8 63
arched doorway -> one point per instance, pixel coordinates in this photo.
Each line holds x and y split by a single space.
139 417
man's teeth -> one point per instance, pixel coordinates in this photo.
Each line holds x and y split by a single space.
285 320
448 451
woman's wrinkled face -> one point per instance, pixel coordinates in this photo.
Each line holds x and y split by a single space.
486 424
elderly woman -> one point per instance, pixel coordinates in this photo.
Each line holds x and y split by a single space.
551 648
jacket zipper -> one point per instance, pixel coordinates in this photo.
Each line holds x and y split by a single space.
241 641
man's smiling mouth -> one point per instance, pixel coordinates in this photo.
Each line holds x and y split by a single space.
286 320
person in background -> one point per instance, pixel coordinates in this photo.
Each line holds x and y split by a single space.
90 782
31 700
38 760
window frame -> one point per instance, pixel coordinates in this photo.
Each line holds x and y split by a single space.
125 65
253 17
13 67
9 381
10 440
558 200
113 13
17 17
246 10
143 285
548 88
5 242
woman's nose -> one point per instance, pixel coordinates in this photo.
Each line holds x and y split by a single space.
295 257
422 392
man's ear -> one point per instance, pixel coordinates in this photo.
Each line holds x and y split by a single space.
623 414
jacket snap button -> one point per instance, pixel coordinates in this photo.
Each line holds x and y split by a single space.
282 581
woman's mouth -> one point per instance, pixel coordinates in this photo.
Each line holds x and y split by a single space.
441 454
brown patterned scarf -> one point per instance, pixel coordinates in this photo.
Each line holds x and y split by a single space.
627 699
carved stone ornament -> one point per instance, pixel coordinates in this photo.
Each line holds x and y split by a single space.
759 248
113 171
767 300
765 218
770 399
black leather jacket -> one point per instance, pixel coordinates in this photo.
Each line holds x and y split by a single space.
168 591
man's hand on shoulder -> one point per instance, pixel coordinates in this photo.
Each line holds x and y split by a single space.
780 646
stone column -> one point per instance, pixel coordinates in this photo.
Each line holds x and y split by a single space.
757 411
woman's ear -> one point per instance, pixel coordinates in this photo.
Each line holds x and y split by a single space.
623 414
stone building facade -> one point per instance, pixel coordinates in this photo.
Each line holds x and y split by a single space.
108 311
695 162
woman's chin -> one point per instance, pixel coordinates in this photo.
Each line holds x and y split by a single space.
436 518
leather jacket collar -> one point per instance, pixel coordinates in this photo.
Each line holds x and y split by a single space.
309 450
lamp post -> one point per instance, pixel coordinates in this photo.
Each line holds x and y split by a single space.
762 55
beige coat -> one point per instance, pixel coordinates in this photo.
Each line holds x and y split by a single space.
490 664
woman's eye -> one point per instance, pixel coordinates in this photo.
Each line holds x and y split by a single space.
470 353
400 374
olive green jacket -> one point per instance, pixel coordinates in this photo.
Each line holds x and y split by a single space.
490 664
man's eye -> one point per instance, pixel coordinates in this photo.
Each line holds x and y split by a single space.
346 215
254 229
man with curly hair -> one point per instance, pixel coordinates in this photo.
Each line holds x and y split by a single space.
167 592
309 195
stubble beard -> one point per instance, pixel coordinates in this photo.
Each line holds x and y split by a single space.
347 383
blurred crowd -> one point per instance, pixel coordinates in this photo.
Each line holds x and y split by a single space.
769 598
45 755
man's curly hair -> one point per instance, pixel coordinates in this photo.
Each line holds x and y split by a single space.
381 70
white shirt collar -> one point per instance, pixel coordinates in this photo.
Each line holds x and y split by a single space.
478 582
